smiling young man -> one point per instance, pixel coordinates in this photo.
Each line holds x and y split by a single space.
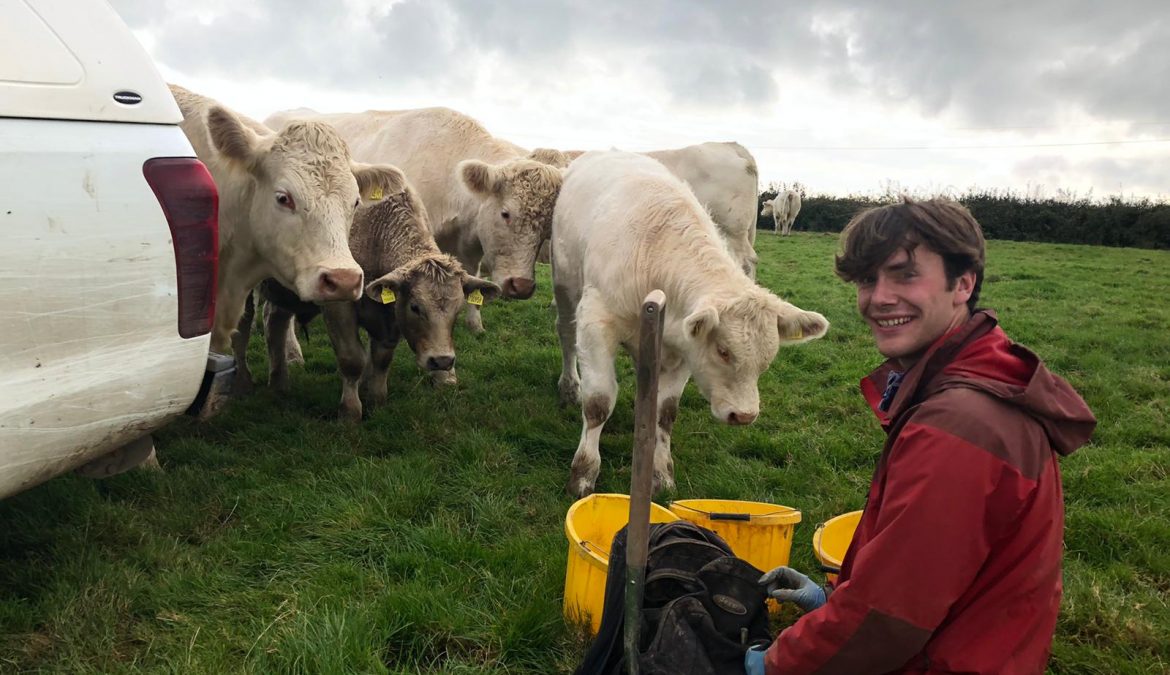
956 563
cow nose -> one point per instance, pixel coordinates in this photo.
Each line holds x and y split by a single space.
340 283
441 362
741 418
519 288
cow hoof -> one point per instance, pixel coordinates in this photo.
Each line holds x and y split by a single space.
279 383
570 391
242 384
295 358
581 480
662 482
579 487
350 415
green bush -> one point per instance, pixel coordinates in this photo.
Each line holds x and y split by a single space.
1137 223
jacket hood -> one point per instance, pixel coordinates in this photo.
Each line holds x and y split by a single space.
979 355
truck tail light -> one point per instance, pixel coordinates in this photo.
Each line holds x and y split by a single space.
190 202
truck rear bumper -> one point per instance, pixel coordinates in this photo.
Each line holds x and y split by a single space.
216 388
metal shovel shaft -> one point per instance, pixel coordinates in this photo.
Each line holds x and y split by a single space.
645 432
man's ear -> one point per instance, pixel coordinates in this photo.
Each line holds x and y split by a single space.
231 137
796 325
701 322
376 181
964 287
480 178
393 282
485 287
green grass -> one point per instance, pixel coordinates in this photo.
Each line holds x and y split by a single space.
430 538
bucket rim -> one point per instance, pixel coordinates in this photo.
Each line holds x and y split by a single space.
780 515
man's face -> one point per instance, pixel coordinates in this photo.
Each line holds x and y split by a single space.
907 303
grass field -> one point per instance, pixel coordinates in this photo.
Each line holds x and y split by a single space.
430 538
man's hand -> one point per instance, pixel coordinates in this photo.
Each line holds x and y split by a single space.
787 585
753 661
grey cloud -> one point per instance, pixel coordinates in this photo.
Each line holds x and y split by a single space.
987 64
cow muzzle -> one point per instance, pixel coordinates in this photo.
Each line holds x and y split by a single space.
518 288
444 362
339 283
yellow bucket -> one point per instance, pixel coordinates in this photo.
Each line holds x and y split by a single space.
831 541
590 525
758 532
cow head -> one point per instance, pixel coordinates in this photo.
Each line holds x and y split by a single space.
729 345
302 198
550 156
514 217
768 205
428 293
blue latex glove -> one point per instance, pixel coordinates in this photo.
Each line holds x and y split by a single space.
753 661
787 585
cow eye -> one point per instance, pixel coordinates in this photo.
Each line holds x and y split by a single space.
724 353
285 200
506 215
357 202
416 309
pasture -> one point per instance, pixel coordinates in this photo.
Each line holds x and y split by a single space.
430 538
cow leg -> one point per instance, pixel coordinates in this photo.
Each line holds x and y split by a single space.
242 383
378 370
292 348
672 379
596 349
569 383
342 326
277 325
788 226
470 261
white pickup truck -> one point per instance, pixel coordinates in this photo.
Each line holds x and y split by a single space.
108 248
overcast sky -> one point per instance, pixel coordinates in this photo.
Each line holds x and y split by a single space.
841 95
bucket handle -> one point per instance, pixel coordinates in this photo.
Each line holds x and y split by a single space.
828 569
729 516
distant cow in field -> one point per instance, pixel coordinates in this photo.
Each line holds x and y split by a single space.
624 226
415 292
488 203
286 201
783 210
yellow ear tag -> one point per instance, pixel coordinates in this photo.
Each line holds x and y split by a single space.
387 296
475 298
799 333
375 196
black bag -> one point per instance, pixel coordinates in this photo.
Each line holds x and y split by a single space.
701 608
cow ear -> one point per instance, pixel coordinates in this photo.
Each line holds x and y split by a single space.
797 325
393 282
487 289
230 137
377 180
480 177
701 322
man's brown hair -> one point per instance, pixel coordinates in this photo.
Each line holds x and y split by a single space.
942 225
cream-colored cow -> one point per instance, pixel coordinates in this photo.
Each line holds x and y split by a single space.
723 177
783 210
286 201
489 204
725 180
623 226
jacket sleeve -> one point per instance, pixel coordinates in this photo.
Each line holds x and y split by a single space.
928 544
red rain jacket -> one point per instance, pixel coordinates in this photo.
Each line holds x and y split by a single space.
956 563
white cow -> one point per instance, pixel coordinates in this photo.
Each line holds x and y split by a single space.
286 201
487 201
723 177
783 210
725 180
624 226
